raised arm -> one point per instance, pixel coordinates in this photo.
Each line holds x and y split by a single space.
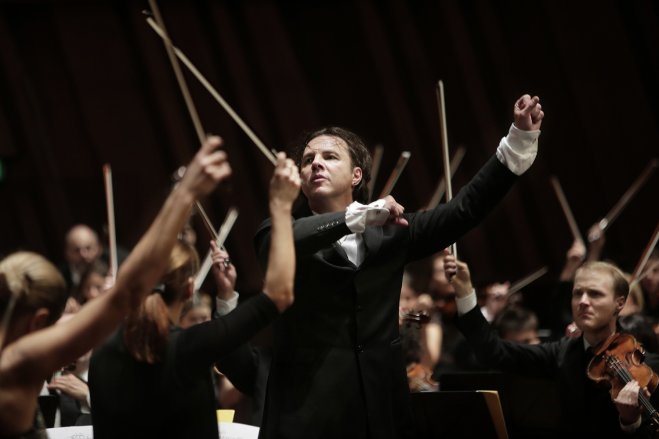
39 353
432 230
490 350
224 273
207 342
284 189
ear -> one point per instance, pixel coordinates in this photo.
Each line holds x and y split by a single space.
356 176
620 304
39 320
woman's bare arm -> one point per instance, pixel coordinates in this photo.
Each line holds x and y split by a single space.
284 189
36 355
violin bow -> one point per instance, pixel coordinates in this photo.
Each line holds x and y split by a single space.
445 156
645 273
112 231
441 186
198 207
159 29
183 86
640 181
566 209
222 234
638 271
526 280
395 174
375 168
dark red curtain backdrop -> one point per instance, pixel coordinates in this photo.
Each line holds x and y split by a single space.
84 83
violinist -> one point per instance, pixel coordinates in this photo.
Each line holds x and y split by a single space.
152 379
599 294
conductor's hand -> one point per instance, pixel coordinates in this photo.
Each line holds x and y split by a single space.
458 272
395 211
528 113
285 183
208 168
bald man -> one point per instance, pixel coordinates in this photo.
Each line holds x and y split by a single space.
81 248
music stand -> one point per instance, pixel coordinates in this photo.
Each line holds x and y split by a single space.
459 415
528 413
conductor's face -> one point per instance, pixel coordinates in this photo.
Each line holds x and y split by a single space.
327 171
595 307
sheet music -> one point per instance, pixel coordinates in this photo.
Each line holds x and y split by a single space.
227 431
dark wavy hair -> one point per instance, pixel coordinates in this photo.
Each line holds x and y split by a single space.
359 155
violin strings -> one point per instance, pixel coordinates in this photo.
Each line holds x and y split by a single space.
626 377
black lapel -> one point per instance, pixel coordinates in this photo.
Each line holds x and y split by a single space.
342 253
336 256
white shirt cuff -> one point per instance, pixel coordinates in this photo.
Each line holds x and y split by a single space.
467 303
86 405
224 307
631 428
518 149
358 215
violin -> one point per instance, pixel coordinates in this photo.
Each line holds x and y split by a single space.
419 378
619 360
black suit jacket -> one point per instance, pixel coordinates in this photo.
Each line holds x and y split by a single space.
586 407
338 370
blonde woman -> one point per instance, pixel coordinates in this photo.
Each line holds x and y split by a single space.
31 349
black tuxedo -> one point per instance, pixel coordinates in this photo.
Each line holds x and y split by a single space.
586 407
338 370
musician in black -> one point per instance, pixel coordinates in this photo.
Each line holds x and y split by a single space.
599 293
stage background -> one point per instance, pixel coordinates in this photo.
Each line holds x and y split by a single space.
84 83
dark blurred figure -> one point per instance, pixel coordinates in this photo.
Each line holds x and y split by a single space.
517 324
650 284
641 328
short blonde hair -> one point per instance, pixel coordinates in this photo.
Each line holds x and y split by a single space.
620 284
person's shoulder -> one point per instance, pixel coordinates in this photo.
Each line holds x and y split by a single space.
565 347
114 343
300 210
571 343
